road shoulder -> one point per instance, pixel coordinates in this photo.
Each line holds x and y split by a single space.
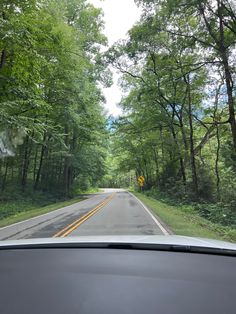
36 212
182 222
46 216
164 227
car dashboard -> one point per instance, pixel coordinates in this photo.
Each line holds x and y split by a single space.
115 279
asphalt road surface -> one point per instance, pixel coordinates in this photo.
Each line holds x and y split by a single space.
112 212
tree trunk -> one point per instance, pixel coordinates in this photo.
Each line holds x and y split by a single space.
3 58
35 163
191 140
3 53
156 165
229 85
72 149
66 176
26 161
228 77
181 161
183 133
218 144
1 165
162 146
217 163
223 51
4 180
38 175
172 129
66 181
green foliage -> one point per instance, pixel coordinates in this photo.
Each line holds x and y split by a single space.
15 211
178 129
217 213
184 220
14 202
83 183
178 124
51 115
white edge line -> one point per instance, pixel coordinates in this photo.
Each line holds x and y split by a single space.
153 217
53 211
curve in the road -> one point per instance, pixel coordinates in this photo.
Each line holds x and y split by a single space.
124 215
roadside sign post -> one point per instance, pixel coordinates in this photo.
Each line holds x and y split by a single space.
141 181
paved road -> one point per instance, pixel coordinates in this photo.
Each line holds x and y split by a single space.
113 212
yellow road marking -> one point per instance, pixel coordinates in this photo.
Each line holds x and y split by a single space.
68 229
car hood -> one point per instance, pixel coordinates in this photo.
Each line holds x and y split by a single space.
171 240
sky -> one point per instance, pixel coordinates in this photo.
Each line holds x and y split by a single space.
119 17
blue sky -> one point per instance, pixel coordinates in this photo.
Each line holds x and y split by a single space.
119 17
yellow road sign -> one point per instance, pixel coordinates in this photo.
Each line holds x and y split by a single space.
141 180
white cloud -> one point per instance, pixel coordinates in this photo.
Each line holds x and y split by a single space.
119 17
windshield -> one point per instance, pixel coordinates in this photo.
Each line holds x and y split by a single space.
117 118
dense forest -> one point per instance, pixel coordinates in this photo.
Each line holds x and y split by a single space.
179 129
52 122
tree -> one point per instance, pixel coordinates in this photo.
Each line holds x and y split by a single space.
172 68
50 67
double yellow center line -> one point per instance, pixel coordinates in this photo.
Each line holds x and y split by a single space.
67 230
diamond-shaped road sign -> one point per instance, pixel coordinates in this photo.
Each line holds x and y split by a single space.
141 180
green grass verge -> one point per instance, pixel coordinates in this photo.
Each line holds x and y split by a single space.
33 212
183 220
16 206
